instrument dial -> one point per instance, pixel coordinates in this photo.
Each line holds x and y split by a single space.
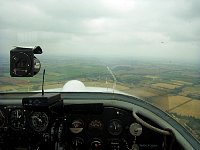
77 144
135 147
115 127
96 144
39 121
135 129
17 119
76 126
95 124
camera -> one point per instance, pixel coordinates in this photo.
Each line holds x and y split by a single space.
23 63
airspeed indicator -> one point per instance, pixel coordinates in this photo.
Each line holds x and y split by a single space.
39 121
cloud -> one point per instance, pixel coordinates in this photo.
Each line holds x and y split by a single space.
94 27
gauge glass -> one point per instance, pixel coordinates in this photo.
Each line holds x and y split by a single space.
95 124
115 127
2 119
96 144
22 64
17 119
39 121
76 126
135 129
77 143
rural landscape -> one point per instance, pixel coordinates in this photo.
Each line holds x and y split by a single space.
172 86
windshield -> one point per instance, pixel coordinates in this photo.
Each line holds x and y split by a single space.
149 49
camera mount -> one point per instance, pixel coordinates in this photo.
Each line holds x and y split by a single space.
23 63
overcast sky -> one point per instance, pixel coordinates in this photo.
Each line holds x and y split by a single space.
147 28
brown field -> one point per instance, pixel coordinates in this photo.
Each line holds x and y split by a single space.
98 84
177 83
190 90
7 88
55 74
189 109
53 86
9 80
165 85
151 77
181 82
142 92
15 88
168 102
178 104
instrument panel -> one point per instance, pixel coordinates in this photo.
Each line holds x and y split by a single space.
74 128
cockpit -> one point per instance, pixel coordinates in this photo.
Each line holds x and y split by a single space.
93 121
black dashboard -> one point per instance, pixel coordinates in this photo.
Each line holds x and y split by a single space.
62 126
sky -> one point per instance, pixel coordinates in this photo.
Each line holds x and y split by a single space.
129 28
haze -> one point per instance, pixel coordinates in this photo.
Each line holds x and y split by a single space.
134 28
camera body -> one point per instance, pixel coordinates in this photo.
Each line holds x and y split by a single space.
23 63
